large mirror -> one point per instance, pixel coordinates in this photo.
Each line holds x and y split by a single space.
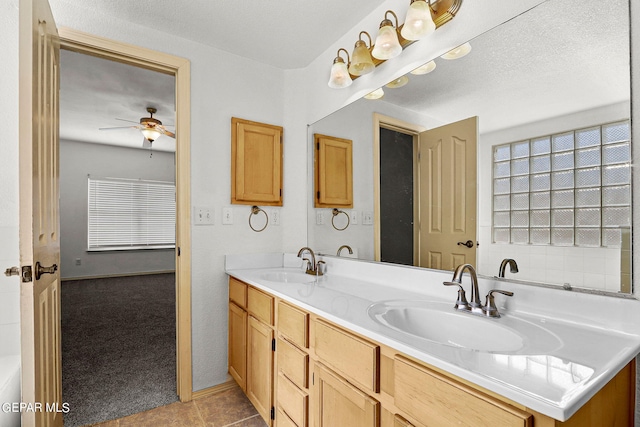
559 72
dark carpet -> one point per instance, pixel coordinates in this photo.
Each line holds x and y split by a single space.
118 346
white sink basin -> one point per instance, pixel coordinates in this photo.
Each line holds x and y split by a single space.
441 323
288 277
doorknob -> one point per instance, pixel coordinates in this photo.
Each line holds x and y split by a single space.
40 270
468 244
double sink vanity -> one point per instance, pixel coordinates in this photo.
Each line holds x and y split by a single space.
369 344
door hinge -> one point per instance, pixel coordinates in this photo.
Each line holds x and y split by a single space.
27 274
313 378
178 250
273 413
273 344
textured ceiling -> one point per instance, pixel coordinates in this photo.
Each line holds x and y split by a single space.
284 33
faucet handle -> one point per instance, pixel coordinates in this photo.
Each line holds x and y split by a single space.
490 309
461 302
321 267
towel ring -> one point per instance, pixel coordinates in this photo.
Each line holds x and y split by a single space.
254 211
336 212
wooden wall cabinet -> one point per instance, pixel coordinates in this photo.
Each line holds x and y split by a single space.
333 172
256 163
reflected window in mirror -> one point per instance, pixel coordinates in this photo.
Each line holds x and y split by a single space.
571 189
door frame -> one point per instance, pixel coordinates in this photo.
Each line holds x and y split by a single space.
391 123
179 67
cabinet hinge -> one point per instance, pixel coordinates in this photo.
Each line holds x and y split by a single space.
273 344
281 192
318 195
317 146
27 274
273 413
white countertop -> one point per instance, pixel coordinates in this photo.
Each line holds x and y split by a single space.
556 381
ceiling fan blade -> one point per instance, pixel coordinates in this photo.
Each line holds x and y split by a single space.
125 120
168 133
119 127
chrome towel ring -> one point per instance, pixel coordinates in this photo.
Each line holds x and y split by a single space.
337 212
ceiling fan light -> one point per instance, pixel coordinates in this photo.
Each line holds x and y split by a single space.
339 77
150 134
457 52
419 22
425 68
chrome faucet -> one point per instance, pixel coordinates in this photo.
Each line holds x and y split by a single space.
513 266
475 306
345 247
312 266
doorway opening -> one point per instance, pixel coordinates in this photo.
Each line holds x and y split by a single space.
180 281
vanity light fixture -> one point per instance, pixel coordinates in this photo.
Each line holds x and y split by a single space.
424 69
457 52
376 94
340 77
387 44
361 61
399 82
419 22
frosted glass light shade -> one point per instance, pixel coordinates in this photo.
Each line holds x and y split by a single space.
387 45
376 94
457 52
339 77
425 69
399 82
361 62
150 134
419 22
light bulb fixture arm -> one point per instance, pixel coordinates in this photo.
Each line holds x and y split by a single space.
370 41
339 58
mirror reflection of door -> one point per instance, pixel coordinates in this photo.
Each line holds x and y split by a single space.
427 195
448 195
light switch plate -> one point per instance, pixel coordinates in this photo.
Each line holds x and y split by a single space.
203 215
319 218
367 218
227 216
354 217
274 217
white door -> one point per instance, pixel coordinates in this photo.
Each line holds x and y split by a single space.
448 195
39 215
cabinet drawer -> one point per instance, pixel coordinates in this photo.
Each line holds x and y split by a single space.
293 362
427 395
352 357
238 292
293 401
260 305
294 324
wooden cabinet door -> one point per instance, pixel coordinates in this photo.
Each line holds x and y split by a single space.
256 163
334 172
260 367
238 345
338 403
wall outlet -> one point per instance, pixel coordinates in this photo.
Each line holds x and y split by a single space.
367 218
274 216
227 216
319 218
354 217
203 215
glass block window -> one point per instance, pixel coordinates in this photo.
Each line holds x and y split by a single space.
568 189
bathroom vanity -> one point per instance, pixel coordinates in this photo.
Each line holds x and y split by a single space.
380 345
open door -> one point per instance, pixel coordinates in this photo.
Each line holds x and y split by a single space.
448 195
39 215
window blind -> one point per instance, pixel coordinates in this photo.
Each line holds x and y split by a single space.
131 214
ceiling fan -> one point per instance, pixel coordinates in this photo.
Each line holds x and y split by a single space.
150 127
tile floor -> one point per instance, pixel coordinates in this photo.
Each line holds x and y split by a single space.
228 408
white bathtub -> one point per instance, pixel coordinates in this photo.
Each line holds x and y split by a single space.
9 390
